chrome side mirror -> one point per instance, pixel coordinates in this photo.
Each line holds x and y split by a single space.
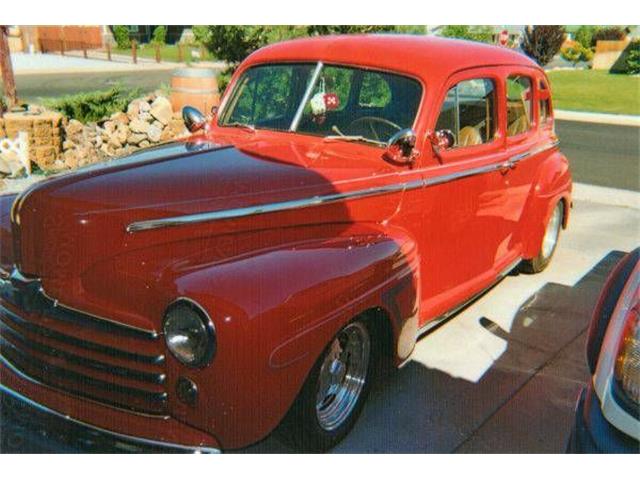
442 140
401 147
193 119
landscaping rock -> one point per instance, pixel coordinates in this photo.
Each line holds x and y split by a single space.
161 110
138 126
154 133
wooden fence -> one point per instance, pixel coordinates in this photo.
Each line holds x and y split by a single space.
60 38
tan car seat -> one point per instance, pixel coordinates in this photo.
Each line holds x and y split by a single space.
519 125
469 136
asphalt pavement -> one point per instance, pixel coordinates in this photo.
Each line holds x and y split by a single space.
602 154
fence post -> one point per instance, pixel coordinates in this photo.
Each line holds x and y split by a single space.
157 47
180 55
61 47
134 51
108 51
84 49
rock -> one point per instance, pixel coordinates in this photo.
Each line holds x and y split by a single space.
122 134
158 124
146 116
133 110
10 164
110 126
144 106
154 133
161 110
114 142
74 128
67 144
138 126
120 117
136 138
5 168
144 144
70 158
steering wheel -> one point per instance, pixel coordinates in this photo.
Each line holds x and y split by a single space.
370 121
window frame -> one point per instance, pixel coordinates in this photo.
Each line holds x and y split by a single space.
535 115
231 92
478 73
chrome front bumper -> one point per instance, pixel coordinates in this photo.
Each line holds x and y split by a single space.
19 408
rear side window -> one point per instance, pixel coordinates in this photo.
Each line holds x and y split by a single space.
469 112
519 105
545 104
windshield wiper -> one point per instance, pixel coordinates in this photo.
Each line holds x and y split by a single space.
352 138
246 126
355 138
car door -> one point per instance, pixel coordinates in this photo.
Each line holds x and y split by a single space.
464 242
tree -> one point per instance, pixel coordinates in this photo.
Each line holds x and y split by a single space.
476 33
121 36
542 42
233 43
159 35
8 79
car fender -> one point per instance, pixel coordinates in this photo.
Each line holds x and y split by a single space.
552 184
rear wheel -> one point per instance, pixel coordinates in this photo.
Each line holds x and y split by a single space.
549 242
332 398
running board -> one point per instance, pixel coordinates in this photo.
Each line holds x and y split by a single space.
445 316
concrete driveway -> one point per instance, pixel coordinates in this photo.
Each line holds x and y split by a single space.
502 376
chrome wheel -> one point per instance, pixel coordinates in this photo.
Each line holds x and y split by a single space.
342 376
552 232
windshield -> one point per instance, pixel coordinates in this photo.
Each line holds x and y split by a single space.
335 102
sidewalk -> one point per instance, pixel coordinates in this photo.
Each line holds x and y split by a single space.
74 62
590 117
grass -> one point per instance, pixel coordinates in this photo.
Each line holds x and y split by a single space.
595 91
168 53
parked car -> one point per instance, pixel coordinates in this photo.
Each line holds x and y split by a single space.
608 409
349 194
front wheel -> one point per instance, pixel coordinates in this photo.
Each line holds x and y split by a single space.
549 242
335 392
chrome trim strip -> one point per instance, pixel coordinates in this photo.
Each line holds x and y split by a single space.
445 316
327 199
305 98
128 438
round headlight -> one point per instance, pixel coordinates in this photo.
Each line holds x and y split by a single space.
189 334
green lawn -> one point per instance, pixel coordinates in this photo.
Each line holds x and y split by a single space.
595 91
168 53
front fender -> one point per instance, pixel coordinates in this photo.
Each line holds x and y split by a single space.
552 184
275 309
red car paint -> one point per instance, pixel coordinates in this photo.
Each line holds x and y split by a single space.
279 285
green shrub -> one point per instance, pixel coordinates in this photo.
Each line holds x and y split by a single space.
584 35
121 35
201 34
93 106
633 58
608 33
159 35
576 53
476 33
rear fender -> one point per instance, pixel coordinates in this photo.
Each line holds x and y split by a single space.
552 185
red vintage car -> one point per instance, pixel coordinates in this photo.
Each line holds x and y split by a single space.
350 193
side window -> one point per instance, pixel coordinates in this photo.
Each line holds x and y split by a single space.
469 112
545 105
374 91
519 105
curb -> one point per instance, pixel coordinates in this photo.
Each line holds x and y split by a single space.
608 196
590 117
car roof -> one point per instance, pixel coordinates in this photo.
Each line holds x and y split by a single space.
417 55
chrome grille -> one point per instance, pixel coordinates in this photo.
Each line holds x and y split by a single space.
115 366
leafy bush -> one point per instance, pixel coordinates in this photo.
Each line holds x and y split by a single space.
576 53
608 33
476 33
633 58
542 42
93 106
159 35
121 35
201 34
584 35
